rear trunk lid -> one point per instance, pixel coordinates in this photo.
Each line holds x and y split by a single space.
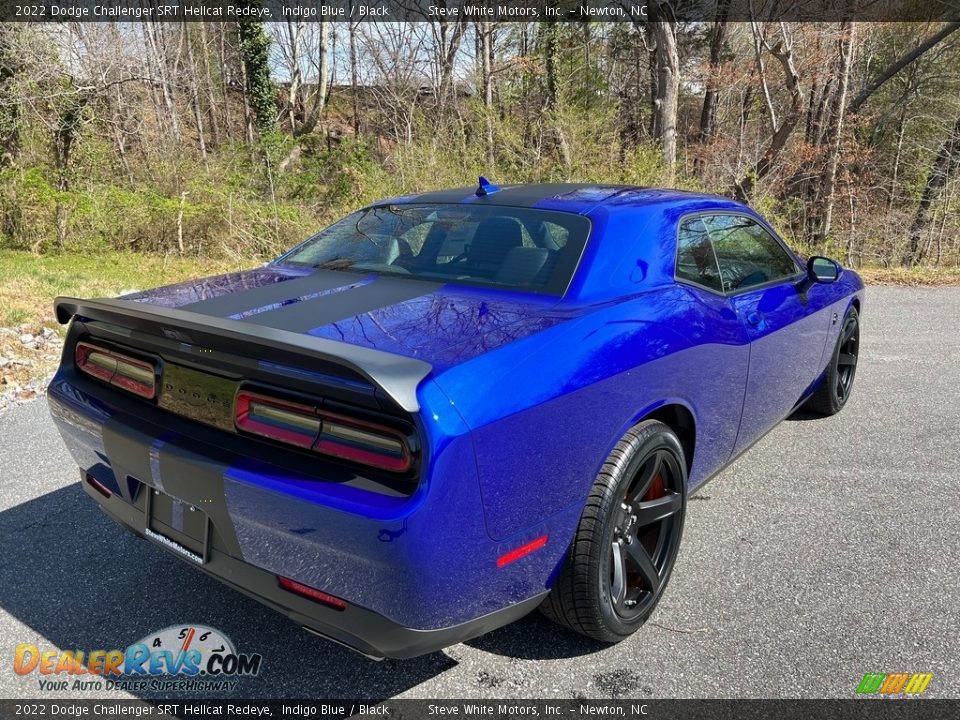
369 333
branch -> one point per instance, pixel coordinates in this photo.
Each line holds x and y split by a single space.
899 65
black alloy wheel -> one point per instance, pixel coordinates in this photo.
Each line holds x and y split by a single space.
646 533
837 384
626 543
847 357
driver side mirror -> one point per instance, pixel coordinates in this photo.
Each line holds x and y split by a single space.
820 270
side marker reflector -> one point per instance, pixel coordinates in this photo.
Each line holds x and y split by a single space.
312 593
521 551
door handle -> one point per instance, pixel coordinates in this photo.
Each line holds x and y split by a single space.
754 318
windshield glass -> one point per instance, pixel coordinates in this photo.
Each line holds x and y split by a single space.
524 248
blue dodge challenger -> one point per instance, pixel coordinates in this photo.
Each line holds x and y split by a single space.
448 409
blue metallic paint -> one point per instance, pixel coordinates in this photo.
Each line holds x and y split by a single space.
527 397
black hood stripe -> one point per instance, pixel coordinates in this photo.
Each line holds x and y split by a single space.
239 301
309 314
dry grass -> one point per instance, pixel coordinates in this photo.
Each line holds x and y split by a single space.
913 277
29 283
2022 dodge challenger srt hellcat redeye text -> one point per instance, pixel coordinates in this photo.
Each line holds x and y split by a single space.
451 408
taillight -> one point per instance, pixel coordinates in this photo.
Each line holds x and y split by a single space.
325 432
123 371
284 421
363 443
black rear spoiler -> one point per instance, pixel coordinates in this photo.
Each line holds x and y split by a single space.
396 375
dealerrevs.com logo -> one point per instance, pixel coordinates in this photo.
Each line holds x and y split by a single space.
181 657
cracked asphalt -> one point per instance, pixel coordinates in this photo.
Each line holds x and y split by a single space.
831 549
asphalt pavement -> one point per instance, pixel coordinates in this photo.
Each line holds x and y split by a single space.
830 549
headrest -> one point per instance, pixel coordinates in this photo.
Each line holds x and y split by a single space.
493 239
522 265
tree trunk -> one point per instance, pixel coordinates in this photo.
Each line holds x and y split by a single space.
746 105
180 208
664 29
652 84
194 93
447 38
248 116
10 67
294 105
549 33
318 100
895 175
65 135
225 86
162 73
260 90
485 41
208 84
354 89
712 94
828 177
119 137
943 165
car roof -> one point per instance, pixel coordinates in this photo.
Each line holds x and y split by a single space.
580 198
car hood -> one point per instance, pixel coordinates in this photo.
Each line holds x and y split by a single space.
443 325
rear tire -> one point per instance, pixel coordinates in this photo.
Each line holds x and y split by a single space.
626 544
837 384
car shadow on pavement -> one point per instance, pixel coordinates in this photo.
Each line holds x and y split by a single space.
535 638
802 415
84 583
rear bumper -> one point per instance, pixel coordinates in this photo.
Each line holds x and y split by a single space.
357 628
418 573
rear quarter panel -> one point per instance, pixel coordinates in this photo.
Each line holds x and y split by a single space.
545 412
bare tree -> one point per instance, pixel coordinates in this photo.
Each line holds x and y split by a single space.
944 165
899 64
709 109
783 126
304 49
159 66
664 31
11 66
485 45
828 178
192 78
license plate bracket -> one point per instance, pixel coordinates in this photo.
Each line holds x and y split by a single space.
178 526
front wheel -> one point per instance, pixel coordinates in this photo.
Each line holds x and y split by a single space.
626 544
837 384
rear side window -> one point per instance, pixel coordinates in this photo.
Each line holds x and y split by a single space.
746 253
696 260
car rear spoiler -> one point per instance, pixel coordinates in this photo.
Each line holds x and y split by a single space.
396 375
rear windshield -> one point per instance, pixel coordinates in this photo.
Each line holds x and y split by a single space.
524 248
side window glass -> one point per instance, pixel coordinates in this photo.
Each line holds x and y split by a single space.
747 254
696 261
